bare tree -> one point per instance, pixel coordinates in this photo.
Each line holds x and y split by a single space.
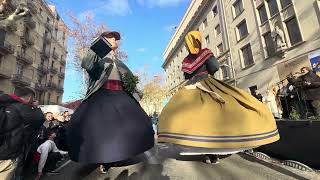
83 32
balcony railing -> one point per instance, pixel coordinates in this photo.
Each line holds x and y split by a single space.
12 27
42 69
60 89
53 70
45 54
24 58
32 7
30 22
63 61
27 40
55 55
6 48
20 80
5 72
40 87
61 74
51 85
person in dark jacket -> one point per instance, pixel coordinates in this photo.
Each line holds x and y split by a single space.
109 125
311 89
22 122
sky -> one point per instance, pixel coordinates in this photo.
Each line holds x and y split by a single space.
146 27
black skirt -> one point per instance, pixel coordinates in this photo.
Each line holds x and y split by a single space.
110 126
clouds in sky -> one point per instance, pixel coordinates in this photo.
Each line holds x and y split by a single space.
123 7
141 49
114 7
160 3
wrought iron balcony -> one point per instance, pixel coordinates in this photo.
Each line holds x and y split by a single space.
45 54
61 74
60 89
20 80
63 61
53 70
24 58
12 27
32 7
42 69
27 40
40 87
6 48
55 55
51 85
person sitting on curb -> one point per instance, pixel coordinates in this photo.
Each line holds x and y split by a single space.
48 155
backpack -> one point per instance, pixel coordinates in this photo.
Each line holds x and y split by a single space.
11 130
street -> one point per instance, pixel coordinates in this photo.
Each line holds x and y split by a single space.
239 166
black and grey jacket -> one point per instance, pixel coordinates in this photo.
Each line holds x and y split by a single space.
99 71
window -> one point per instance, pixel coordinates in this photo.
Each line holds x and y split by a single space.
40 11
238 8
49 97
285 3
19 69
51 77
1 60
225 72
273 7
269 44
242 29
215 11
217 30
247 55
205 23
220 49
294 31
52 64
207 40
59 83
263 14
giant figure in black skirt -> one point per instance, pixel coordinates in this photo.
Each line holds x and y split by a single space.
109 125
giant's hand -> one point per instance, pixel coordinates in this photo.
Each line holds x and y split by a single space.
19 13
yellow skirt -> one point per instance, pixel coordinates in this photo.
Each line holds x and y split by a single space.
213 114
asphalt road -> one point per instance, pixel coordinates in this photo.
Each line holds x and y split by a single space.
239 167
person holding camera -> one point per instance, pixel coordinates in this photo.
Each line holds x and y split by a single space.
109 125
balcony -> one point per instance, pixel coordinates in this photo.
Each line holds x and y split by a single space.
27 40
31 6
61 75
53 70
55 55
20 80
63 61
5 72
29 22
60 89
6 48
48 26
45 54
40 87
42 69
24 58
51 85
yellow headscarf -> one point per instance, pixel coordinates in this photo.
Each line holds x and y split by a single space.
192 40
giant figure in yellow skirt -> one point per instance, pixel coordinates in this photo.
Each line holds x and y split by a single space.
209 116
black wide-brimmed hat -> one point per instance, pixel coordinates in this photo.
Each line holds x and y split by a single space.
113 34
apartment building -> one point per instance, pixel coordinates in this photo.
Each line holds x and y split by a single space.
258 42
33 53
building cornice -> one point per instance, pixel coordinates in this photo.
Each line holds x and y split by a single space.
183 28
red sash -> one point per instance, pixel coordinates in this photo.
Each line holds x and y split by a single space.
190 63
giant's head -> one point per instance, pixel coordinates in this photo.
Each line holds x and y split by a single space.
193 42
